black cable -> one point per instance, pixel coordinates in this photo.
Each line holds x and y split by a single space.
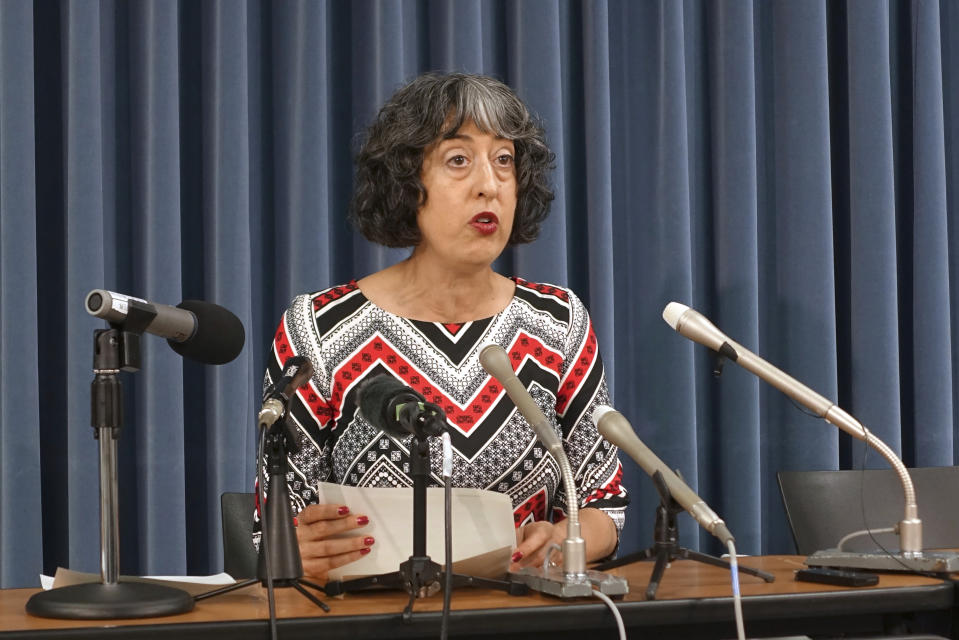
862 507
264 535
862 495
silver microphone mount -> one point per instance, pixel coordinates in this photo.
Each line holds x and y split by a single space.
911 557
572 579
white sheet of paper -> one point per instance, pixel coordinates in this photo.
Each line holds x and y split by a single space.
483 533
193 585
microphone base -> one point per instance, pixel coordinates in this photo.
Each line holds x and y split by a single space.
98 601
926 561
556 583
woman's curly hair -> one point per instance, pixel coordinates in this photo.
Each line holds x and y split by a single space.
389 192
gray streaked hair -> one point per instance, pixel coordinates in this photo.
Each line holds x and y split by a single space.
388 190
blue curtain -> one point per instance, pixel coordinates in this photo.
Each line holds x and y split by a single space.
790 169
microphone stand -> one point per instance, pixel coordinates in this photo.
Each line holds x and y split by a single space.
114 350
573 579
279 563
911 557
419 575
666 546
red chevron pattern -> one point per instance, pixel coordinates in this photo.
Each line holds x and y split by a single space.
332 295
576 374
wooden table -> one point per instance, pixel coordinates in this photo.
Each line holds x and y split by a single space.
694 601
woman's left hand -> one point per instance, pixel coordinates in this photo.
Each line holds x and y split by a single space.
534 540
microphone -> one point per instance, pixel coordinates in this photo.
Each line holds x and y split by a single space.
195 329
296 372
575 579
698 328
395 408
494 359
613 426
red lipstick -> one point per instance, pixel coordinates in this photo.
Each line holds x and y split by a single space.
485 223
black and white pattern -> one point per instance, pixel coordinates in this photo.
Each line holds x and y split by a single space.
548 335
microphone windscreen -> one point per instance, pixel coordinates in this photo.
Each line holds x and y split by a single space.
219 334
296 372
374 395
673 312
600 412
377 395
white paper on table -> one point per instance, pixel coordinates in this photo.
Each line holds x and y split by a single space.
193 585
482 522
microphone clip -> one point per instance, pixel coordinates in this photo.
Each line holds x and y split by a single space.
719 361
417 416
139 316
726 351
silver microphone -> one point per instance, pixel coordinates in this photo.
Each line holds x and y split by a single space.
195 329
575 580
297 370
613 426
494 359
693 325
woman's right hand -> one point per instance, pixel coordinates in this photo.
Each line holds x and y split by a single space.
319 551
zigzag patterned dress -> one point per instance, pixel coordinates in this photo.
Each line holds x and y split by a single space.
547 332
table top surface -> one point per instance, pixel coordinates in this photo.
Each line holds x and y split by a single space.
686 584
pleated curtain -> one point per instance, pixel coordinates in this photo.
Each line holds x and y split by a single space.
790 169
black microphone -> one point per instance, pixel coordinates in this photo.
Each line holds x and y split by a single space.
195 329
395 408
296 372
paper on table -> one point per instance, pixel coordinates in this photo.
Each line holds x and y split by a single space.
483 531
193 585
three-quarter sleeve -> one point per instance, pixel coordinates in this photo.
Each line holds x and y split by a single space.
309 413
597 469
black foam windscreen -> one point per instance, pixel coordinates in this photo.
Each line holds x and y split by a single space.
379 396
296 372
219 334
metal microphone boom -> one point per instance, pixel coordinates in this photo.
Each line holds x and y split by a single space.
696 327
574 580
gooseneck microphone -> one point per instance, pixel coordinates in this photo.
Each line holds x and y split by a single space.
494 359
696 327
397 409
613 426
693 325
575 579
296 372
195 329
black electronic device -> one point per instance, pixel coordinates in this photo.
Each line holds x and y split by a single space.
839 577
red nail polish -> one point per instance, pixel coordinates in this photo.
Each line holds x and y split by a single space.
364 550
368 540
362 520
517 556
296 522
343 511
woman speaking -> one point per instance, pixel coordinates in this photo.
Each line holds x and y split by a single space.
455 167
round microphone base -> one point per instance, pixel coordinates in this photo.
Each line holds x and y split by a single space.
95 601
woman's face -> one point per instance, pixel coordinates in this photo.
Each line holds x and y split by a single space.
470 182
